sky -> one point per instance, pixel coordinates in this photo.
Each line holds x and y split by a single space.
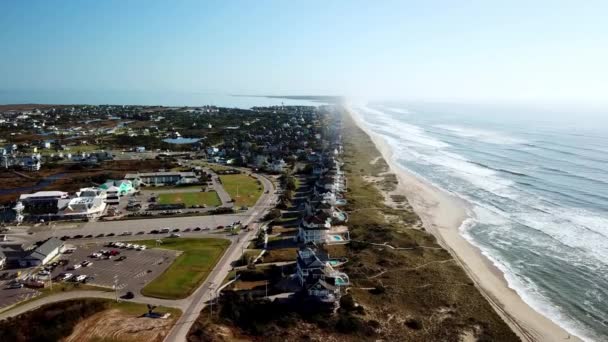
539 51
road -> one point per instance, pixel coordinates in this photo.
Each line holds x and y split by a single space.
223 267
60 297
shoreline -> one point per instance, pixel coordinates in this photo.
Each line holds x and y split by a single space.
443 215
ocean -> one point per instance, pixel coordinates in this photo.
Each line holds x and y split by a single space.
145 98
537 187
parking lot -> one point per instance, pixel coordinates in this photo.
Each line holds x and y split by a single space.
10 296
131 274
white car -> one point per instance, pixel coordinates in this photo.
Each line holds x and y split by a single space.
75 267
87 263
141 248
129 246
174 235
81 277
96 255
119 244
67 276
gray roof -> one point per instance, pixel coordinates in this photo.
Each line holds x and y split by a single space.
46 248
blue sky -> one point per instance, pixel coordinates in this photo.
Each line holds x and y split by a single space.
471 51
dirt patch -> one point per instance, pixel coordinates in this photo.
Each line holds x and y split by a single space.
116 325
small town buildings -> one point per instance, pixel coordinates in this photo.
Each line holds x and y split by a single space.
317 276
43 253
115 189
163 178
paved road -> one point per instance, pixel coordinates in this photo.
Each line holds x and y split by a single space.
215 278
219 188
59 297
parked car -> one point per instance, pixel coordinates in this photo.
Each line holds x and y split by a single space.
141 247
187 230
79 236
197 229
75 267
155 231
86 263
111 234
126 233
81 277
15 285
174 235
128 295
65 276
176 230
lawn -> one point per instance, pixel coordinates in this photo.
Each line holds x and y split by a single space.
189 270
249 189
190 198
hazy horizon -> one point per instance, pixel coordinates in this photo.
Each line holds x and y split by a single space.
547 53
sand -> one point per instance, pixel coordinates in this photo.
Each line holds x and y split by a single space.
442 215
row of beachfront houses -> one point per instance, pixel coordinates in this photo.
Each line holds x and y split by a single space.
323 223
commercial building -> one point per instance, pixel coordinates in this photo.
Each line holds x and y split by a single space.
163 178
43 253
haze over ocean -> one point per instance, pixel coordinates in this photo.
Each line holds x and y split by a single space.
538 189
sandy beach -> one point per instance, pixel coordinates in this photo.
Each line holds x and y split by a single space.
443 214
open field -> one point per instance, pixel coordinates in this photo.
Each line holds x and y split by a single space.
247 188
188 270
124 322
88 320
190 198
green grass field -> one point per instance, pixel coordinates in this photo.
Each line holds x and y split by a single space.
190 198
189 270
249 189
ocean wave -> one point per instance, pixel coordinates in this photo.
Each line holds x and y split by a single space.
487 136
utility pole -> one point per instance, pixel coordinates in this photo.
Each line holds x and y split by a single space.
116 287
211 287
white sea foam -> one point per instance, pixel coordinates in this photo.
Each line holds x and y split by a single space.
525 288
397 110
484 135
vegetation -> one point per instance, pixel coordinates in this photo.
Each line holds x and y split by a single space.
188 270
50 322
243 189
53 322
190 199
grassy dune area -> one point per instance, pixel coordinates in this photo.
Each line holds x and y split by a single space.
423 289
190 198
87 320
243 189
189 270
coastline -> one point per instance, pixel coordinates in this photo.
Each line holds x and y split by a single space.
442 215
